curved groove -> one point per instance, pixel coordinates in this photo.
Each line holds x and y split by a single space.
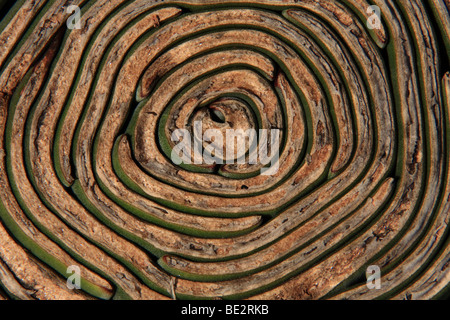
352 115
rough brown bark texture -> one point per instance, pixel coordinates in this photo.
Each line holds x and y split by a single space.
88 116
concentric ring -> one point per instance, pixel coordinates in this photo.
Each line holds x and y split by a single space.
351 119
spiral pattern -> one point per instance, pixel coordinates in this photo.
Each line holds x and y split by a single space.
88 116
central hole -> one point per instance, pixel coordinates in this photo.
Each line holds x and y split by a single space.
217 116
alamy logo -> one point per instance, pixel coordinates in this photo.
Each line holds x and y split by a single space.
235 147
73 22
373 276
74 281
